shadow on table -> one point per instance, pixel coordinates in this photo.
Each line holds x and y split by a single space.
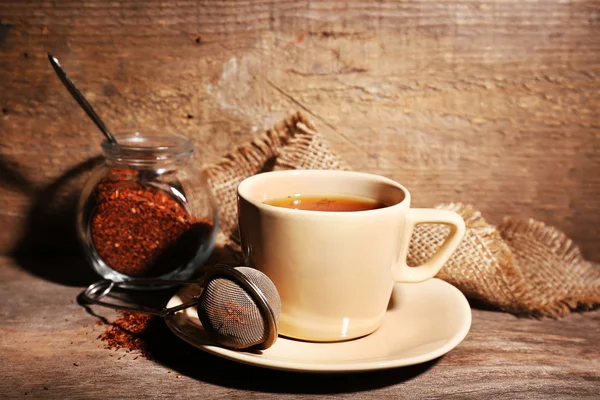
167 349
49 247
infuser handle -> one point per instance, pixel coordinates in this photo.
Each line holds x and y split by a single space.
96 291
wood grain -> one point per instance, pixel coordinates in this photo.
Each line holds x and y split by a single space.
494 103
49 349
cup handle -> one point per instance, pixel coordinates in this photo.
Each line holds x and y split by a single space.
404 273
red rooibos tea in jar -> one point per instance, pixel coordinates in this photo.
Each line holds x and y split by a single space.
147 212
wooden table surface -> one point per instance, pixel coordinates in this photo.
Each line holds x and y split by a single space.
49 349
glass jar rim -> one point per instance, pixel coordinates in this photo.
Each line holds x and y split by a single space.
148 146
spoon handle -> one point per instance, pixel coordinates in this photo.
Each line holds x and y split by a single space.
79 98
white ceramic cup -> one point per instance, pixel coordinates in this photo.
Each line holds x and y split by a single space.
335 271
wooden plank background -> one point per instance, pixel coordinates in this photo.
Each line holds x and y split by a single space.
494 103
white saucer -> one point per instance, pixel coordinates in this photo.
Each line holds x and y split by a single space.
424 321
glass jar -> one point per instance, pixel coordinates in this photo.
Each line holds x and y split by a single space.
146 212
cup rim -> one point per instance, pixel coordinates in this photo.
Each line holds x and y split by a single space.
244 186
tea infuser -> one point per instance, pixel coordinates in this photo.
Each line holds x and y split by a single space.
239 307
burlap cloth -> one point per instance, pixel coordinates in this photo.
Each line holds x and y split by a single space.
522 266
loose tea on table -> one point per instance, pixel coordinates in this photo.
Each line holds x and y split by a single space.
128 332
141 230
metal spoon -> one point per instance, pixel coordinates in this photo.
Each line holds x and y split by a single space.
80 99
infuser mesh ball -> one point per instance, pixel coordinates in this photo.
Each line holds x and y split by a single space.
266 286
232 313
